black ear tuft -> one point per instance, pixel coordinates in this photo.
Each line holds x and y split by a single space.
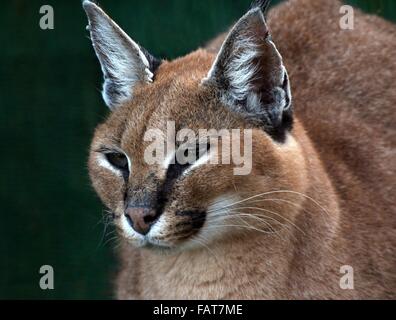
154 62
93 1
262 4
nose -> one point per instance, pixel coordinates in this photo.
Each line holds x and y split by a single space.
141 219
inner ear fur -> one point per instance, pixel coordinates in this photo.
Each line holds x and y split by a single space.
124 63
251 78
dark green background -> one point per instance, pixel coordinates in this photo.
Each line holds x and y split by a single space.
50 104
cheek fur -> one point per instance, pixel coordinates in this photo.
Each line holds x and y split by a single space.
109 185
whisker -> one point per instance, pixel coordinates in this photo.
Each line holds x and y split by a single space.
302 195
107 220
274 213
240 226
109 240
284 201
118 243
201 241
260 218
255 216
269 193
240 215
240 201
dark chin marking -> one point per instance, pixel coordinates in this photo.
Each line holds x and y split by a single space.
159 249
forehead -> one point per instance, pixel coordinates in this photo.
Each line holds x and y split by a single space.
176 95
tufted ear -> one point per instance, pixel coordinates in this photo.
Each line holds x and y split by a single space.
250 76
124 63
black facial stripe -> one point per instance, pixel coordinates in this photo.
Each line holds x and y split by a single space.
197 217
191 213
176 170
173 173
166 188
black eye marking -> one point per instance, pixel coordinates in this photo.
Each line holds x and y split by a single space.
176 169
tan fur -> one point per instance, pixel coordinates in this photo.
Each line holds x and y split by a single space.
341 154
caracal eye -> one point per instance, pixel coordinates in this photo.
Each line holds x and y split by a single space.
118 160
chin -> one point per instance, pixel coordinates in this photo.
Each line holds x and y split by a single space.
149 244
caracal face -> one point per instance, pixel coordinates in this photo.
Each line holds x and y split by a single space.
188 140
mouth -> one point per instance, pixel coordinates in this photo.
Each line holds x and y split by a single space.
153 245
158 248
188 225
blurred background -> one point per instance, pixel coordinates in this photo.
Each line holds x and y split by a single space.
50 104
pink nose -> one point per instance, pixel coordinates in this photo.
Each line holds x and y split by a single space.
141 219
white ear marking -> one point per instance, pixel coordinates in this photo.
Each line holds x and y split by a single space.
241 70
250 76
123 62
